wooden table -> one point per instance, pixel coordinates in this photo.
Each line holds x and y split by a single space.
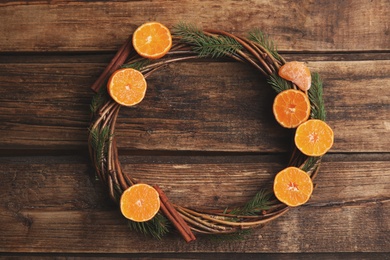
205 131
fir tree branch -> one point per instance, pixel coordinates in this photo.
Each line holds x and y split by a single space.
260 202
278 84
206 45
310 163
137 65
99 143
316 98
157 227
98 100
261 38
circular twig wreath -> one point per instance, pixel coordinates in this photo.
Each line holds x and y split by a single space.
257 51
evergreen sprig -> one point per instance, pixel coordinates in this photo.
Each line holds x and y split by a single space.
206 45
99 143
316 98
260 202
156 227
137 65
278 83
256 35
310 163
98 100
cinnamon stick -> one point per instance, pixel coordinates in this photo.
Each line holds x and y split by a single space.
171 213
119 58
179 228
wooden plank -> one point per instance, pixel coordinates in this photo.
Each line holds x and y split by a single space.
104 232
205 132
216 179
98 25
79 181
201 255
188 107
51 204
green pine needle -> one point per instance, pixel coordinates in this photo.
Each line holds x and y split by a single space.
278 84
256 35
205 45
137 65
310 163
316 98
98 100
99 142
254 206
157 227
258 203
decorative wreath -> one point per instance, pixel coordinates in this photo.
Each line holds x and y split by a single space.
189 42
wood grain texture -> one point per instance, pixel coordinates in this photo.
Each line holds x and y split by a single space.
104 231
204 256
341 216
198 106
100 25
204 133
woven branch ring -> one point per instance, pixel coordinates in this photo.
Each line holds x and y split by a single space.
104 151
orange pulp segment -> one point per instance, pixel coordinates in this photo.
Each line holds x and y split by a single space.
293 186
298 73
140 202
127 86
152 40
291 108
314 137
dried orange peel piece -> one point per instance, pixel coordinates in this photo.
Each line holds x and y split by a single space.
293 186
140 202
152 40
298 73
291 108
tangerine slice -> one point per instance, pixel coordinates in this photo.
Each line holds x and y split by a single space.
127 86
298 73
152 40
314 137
293 186
291 108
140 202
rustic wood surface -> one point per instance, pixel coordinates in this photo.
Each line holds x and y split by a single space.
205 131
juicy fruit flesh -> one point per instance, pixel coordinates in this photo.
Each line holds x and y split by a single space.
293 186
314 137
140 202
127 87
152 40
291 108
